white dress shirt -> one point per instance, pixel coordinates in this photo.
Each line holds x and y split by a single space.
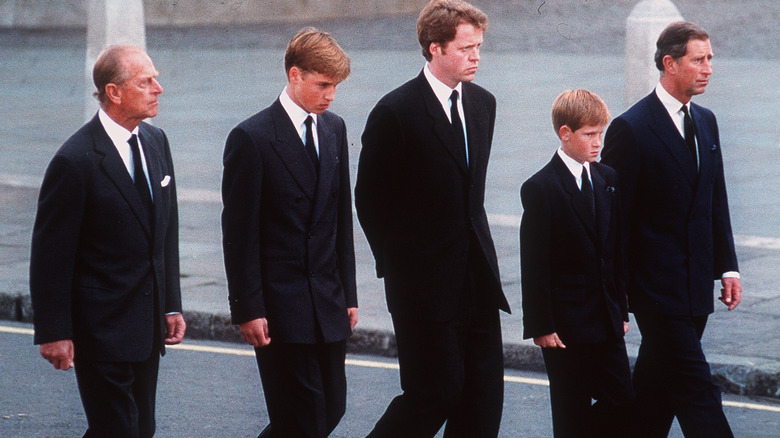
298 116
120 137
674 108
443 94
575 168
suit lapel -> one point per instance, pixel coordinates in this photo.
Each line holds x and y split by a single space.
475 122
668 135
153 153
603 203
441 125
328 165
576 200
114 168
290 149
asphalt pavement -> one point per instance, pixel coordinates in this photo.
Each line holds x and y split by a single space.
210 88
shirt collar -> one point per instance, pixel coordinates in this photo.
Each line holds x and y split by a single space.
574 167
669 102
118 134
296 113
440 89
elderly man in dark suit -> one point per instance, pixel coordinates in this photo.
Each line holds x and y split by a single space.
420 199
287 236
574 296
668 156
104 268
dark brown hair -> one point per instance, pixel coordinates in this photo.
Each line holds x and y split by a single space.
439 20
673 41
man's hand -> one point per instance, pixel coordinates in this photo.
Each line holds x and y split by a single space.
353 318
59 354
549 341
731 293
255 332
175 327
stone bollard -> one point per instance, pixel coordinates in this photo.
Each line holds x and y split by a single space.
643 25
110 22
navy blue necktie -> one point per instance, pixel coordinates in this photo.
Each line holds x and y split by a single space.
310 148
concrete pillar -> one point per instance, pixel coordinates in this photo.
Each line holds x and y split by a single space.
644 24
110 22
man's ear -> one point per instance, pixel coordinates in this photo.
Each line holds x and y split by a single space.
114 93
434 48
295 75
564 133
670 64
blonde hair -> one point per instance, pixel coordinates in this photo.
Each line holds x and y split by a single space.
578 108
313 51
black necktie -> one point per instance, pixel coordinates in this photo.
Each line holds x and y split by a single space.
690 132
310 149
587 192
139 178
457 125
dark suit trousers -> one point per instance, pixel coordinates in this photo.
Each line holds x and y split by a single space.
451 371
305 388
581 373
119 397
672 378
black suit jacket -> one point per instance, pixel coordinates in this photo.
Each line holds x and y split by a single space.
287 238
570 261
96 264
679 236
418 202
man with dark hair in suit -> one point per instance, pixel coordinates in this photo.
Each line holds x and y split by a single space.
420 199
104 266
287 239
574 296
667 153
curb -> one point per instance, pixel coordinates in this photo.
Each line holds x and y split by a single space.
752 377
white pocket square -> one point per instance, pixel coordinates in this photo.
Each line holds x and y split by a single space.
165 181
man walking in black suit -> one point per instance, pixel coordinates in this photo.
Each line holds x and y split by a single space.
667 153
420 199
104 266
287 239
574 296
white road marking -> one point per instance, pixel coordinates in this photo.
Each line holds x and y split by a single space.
373 364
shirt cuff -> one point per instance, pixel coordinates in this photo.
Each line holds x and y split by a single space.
730 274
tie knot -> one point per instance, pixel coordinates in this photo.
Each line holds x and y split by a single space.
454 96
684 109
308 122
584 173
133 140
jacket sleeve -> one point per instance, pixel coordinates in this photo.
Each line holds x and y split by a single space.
53 252
345 242
242 182
535 241
381 140
172 269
